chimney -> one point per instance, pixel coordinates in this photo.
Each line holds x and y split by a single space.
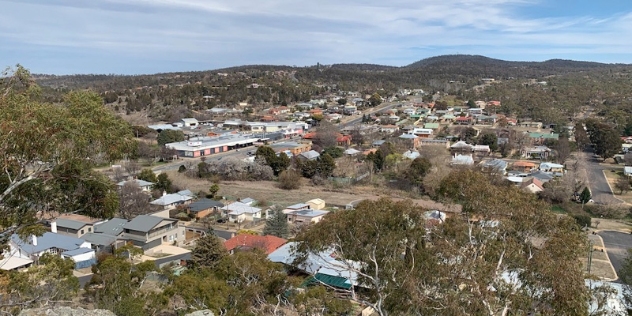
164 193
53 227
34 241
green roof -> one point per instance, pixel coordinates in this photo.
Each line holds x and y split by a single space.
431 125
544 135
330 280
415 115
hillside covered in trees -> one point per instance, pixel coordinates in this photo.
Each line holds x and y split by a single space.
569 85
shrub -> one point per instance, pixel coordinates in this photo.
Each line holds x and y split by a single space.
289 180
583 220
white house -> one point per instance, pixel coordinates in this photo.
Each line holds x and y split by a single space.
239 212
189 122
627 171
144 185
170 201
463 160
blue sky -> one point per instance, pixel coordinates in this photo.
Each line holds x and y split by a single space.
151 36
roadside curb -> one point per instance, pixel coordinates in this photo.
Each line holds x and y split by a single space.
610 187
609 261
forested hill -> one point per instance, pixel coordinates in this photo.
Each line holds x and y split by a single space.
462 68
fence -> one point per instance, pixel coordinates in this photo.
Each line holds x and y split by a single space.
349 180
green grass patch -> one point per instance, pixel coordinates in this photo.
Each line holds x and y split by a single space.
558 209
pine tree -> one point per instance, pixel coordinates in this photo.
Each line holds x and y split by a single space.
208 251
585 196
277 225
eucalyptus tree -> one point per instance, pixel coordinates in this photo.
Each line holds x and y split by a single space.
49 151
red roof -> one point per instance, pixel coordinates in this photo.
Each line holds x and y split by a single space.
343 138
463 118
267 243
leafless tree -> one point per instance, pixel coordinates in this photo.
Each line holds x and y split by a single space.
326 135
133 201
562 150
132 168
118 174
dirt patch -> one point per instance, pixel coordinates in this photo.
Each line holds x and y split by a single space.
268 193
613 176
612 224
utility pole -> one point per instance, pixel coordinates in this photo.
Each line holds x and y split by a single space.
590 254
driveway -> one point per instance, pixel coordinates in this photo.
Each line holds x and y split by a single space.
617 245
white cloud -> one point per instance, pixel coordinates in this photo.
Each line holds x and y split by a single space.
217 33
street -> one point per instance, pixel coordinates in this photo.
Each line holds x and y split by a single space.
597 182
617 245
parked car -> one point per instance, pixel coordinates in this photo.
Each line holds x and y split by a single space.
221 220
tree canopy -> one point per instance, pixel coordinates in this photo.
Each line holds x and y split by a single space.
504 252
49 150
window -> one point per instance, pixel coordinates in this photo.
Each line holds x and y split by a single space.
82 232
89 229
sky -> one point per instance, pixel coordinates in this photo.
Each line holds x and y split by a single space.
153 36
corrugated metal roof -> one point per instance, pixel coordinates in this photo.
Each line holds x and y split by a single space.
78 251
69 223
144 223
47 241
99 239
112 227
204 204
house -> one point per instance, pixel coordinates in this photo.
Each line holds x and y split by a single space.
463 160
537 152
51 242
307 215
351 152
539 138
542 176
410 154
475 111
325 267
142 184
422 132
188 122
296 207
495 165
170 201
204 207
481 149
378 143
435 142
246 242
530 124
410 139
316 204
248 201
532 185
524 166
148 231
71 227
432 126
239 212
344 140
553 168
390 129
463 120
627 171
309 155
461 147
105 235
448 117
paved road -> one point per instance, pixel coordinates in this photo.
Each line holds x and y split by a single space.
357 120
601 192
617 245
